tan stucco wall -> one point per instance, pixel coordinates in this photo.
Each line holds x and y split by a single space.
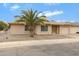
16 29
74 29
64 29
38 30
20 29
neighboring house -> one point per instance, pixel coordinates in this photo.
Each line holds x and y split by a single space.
49 28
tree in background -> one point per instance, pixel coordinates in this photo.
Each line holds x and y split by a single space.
4 26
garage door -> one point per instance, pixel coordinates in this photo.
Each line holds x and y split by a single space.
73 30
17 29
64 30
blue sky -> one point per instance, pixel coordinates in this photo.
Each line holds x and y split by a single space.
58 12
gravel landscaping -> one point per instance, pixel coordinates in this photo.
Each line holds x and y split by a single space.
40 48
70 49
25 37
45 45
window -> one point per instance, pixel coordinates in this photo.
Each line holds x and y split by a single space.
26 28
44 28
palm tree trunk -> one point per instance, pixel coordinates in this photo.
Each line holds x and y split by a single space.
32 31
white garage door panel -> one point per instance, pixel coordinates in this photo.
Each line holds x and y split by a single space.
17 29
74 30
64 30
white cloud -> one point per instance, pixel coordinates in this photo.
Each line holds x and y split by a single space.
72 21
66 20
61 21
50 4
5 5
50 13
14 7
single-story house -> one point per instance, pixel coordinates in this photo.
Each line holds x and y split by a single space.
49 28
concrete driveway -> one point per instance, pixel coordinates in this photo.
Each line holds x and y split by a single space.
65 47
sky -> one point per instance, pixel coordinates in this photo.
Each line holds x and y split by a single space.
60 12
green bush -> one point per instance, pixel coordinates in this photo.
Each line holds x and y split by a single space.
4 26
1 28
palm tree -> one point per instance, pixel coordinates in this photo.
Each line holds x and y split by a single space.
31 19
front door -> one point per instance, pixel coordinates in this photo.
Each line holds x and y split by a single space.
55 29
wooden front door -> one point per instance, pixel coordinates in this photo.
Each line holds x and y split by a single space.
55 29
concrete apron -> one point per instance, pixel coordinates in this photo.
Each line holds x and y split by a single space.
35 43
